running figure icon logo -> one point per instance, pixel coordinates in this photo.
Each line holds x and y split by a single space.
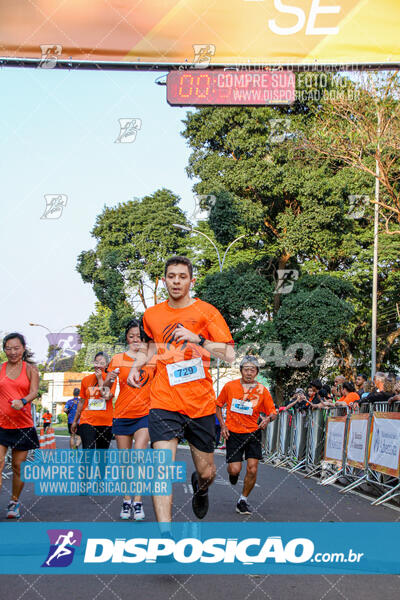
55 204
128 130
61 551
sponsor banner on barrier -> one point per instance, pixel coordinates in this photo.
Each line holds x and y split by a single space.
357 441
201 548
384 444
335 428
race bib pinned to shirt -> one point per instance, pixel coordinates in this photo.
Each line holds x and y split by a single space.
244 407
185 371
96 403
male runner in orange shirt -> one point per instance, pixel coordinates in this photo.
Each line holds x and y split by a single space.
245 399
47 418
184 331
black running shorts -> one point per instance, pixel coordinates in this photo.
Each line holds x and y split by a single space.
95 437
248 444
166 425
19 439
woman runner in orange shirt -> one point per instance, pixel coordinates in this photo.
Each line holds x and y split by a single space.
19 384
130 423
95 409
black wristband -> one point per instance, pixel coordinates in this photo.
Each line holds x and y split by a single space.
24 401
202 340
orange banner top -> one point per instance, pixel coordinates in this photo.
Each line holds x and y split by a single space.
202 32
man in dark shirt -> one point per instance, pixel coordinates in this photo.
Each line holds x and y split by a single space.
298 401
379 394
361 380
70 408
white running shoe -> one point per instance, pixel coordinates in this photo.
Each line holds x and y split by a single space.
126 510
13 510
138 512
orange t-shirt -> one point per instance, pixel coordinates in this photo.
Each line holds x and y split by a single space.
243 407
96 410
185 388
47 417
350 398
132 403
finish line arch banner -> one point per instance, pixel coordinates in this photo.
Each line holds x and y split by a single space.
203 31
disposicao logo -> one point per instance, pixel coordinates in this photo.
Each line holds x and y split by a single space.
190 550
62 547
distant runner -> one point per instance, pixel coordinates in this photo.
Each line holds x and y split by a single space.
47 418
70 409
245 399
184 331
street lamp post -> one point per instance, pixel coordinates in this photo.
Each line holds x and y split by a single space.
375 262
220 264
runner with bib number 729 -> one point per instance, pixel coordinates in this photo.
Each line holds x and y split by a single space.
184 331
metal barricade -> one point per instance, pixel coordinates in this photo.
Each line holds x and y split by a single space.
389 484
285 421
271 440
361 476
7 470
35 415
382 407
315 441
298 440
339 411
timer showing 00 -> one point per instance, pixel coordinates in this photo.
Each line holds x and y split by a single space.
220 87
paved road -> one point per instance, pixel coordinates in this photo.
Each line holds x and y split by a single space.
279 496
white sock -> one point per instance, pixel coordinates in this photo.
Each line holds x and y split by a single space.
127 501
242 498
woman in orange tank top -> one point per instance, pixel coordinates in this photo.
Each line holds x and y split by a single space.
19 384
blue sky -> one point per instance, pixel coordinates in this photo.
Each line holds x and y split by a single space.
58 132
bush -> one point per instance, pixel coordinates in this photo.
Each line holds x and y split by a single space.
62 418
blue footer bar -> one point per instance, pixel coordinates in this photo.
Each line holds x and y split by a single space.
192 547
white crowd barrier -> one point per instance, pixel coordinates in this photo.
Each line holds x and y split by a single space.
361 446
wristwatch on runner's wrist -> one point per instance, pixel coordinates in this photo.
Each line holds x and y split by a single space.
202 340
24 401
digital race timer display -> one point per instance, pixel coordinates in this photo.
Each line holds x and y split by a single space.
228 87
